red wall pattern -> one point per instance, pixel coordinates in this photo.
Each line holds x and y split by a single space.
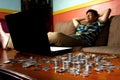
113 4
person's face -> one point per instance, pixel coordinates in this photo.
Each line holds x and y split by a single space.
90 17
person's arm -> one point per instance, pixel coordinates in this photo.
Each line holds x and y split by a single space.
76 21
105 15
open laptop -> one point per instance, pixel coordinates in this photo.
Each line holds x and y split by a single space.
29 34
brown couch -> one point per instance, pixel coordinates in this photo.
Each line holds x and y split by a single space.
108 41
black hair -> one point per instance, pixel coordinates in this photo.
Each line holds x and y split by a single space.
93 11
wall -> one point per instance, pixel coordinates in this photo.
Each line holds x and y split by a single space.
9 6
113 4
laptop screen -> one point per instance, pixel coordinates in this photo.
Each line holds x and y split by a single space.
28 32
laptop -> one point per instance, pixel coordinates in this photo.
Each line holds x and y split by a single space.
29 33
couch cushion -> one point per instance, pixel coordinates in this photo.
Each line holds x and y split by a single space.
114 32
102 49
65 27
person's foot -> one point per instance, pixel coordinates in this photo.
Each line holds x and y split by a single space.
4 40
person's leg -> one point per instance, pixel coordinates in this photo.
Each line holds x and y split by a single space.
3 37
60 39
9 44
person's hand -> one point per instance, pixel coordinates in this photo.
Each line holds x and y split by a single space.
105 14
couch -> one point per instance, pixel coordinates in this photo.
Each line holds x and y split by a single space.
108 41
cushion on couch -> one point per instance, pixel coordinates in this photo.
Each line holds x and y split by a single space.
65 27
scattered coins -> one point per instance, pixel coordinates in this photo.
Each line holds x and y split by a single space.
75 64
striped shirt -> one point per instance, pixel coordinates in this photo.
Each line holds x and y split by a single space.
89 33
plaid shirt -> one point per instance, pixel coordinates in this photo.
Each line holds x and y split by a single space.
89 33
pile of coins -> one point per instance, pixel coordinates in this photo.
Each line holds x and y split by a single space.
75 64
81 64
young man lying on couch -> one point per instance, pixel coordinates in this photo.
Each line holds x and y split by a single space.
87 31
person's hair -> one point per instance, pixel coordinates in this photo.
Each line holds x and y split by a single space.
94 12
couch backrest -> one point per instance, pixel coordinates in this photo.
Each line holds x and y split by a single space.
65 27
114 31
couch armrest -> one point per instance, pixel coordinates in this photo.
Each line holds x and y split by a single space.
65 27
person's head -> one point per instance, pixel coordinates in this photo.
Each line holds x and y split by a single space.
91 15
